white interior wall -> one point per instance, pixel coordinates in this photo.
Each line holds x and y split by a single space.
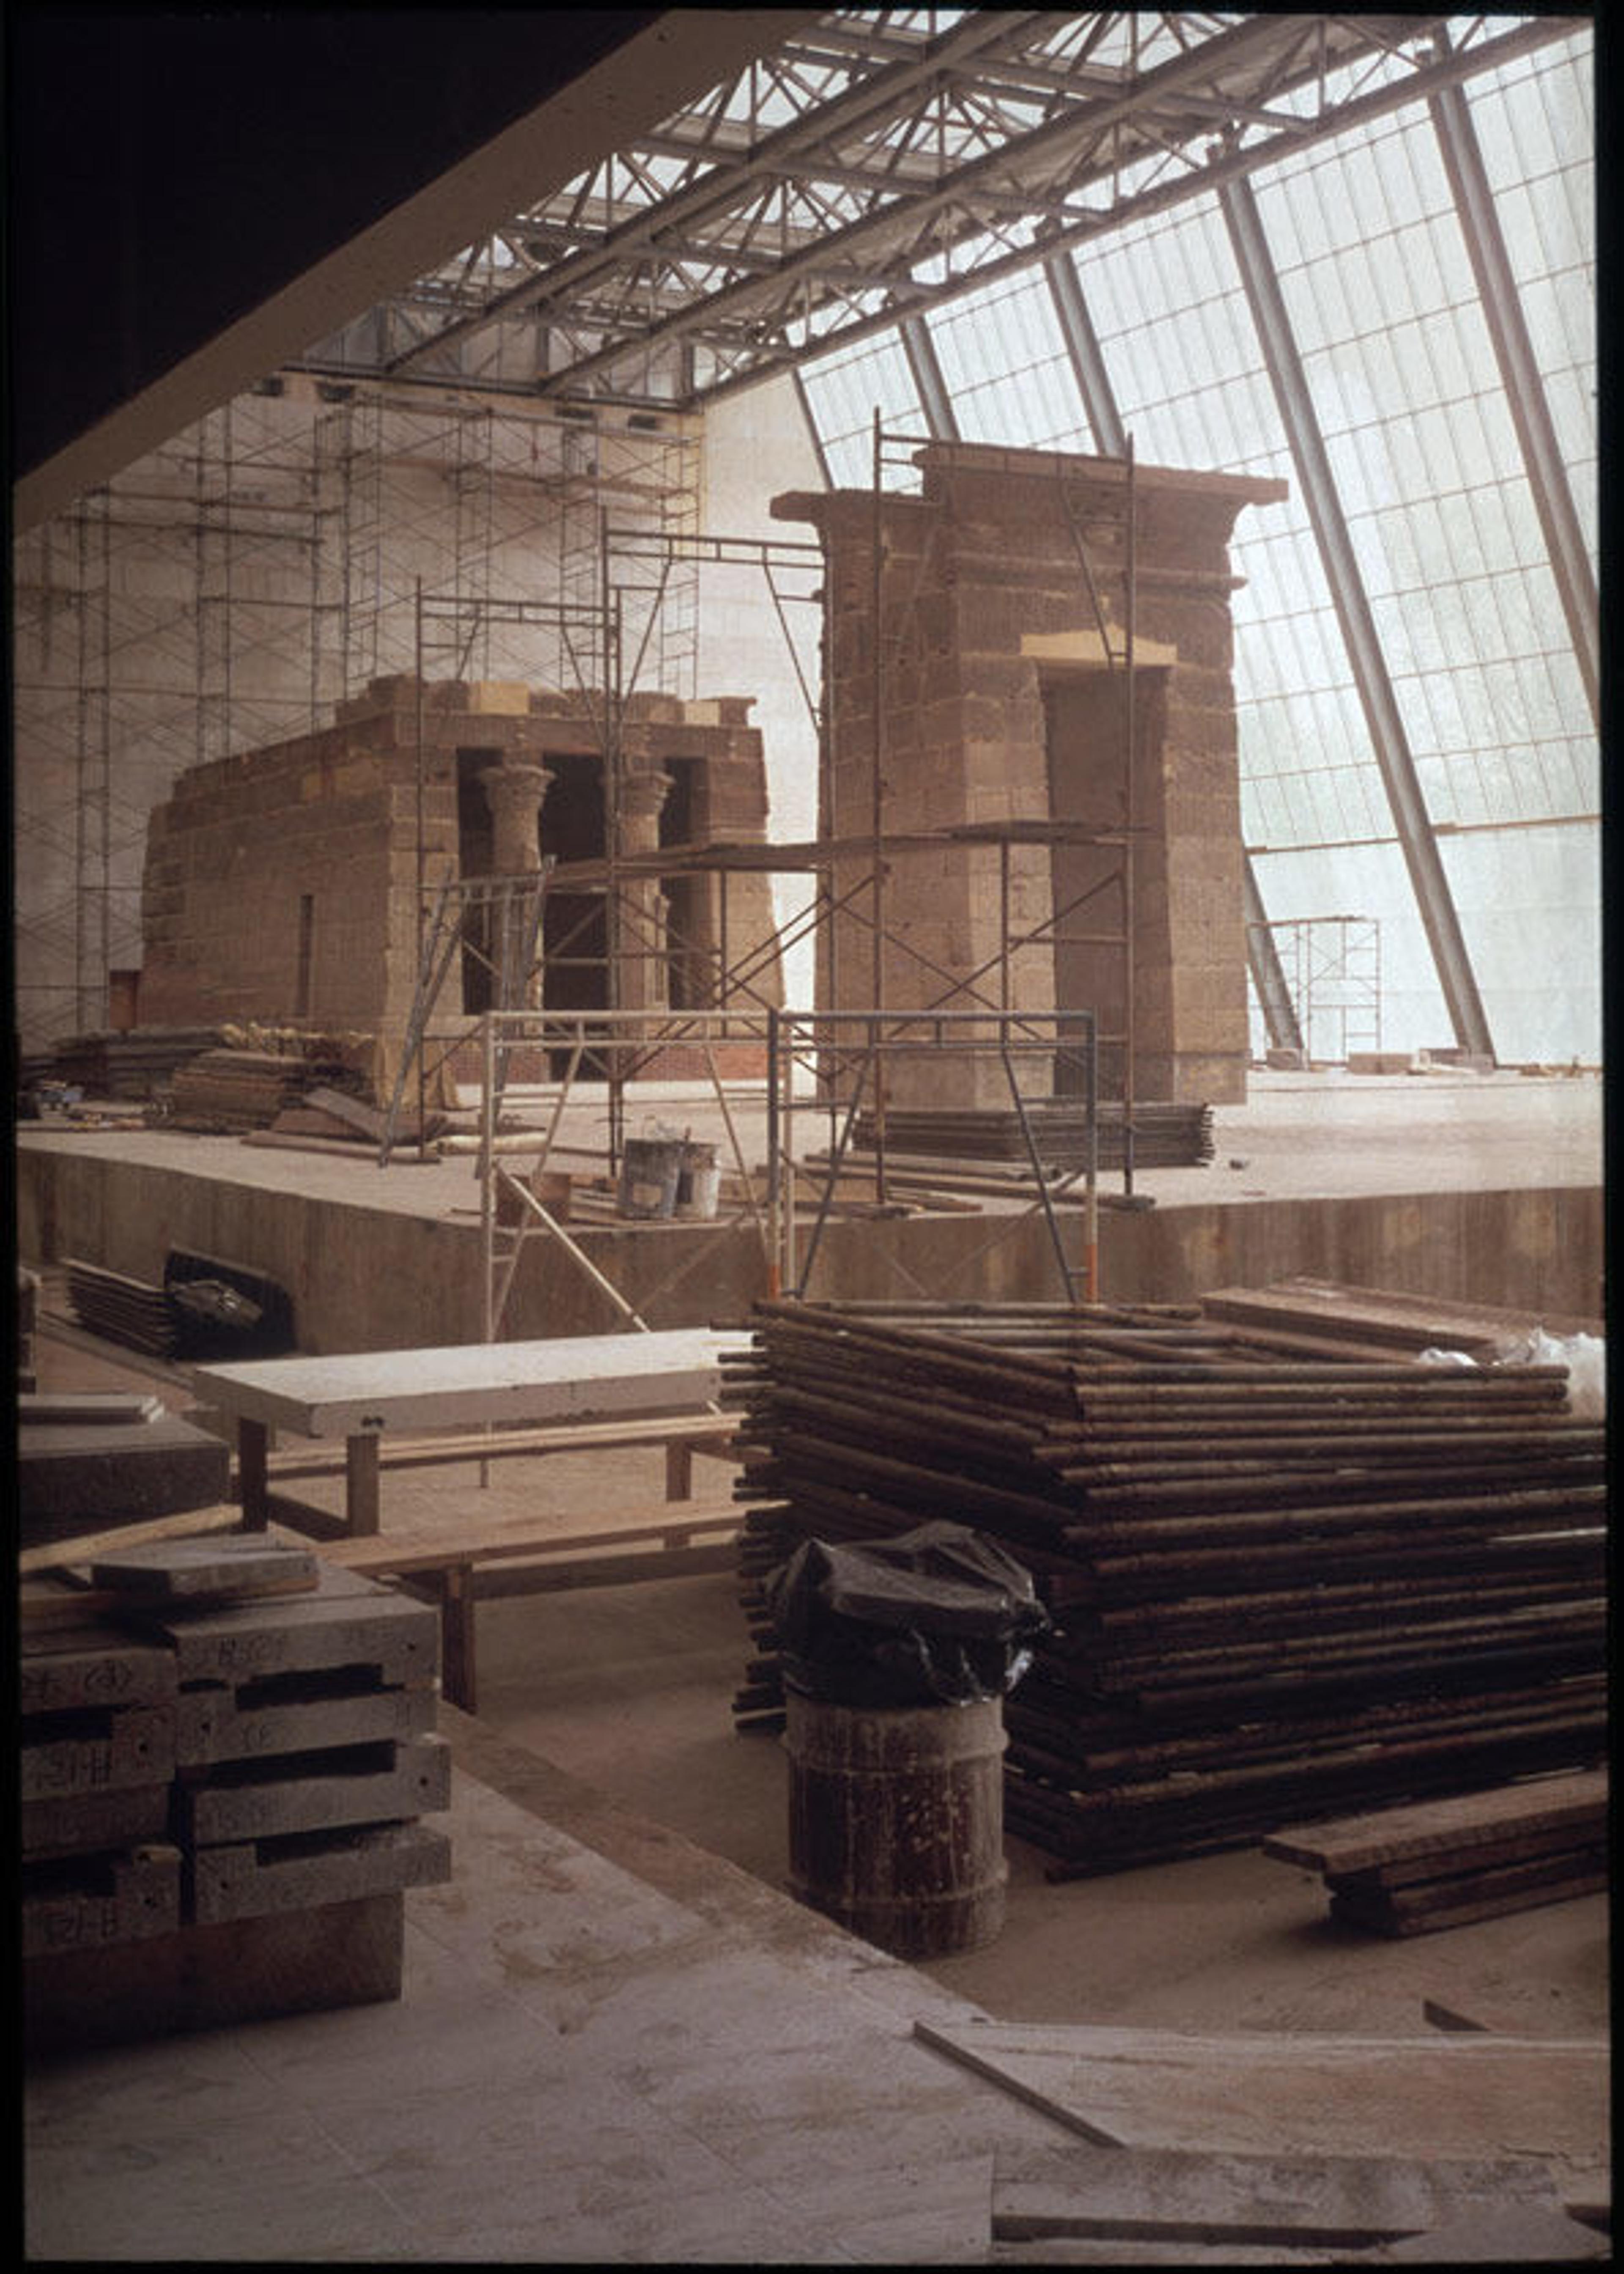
756 446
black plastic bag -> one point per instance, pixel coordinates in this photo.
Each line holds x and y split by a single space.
941 1616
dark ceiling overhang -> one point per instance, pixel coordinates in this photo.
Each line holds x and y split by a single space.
195 196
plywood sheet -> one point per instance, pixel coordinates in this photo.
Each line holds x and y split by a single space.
1181 2194
1447 2095
570 1377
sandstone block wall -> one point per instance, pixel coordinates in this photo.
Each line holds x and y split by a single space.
281 884
971 676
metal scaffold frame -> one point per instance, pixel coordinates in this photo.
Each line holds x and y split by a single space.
791 1185
1333 969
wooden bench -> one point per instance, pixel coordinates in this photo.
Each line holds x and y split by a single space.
681 1434
509 1553
362 1396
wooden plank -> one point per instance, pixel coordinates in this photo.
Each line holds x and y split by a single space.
294 1713
54 1407
179 1570
1486 1895
81 1546
310 1792
85 1901
1451 1826
522 1533
698 1432
250 1880
571 1376
1265 2093
1188 2195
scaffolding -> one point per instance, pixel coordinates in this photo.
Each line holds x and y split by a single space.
1333 969
785 1200
229 589
183 610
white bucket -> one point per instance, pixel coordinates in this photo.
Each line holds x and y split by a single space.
699 1181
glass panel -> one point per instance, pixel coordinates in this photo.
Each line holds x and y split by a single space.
1006 368
843 392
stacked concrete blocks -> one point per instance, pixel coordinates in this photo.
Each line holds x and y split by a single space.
224 1795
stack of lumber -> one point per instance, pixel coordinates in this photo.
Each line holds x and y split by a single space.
1283 1584
140 1063
121 1309
1165 1136
226 1747
328 1120
1382 1318
228 1090
1412 1870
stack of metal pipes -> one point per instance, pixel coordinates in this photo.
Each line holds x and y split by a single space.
1284 1582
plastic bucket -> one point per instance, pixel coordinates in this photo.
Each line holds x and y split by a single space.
649 1175
895 1821
699 1181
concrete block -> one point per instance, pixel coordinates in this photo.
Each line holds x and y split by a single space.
252 1879
366 1784
208 1977
78 1480
89 1902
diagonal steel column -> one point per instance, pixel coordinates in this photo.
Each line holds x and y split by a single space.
1267 973
1082 346
1389 740
1088 361
935 399
1518 372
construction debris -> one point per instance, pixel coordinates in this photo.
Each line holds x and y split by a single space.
1283 1584
1165 1136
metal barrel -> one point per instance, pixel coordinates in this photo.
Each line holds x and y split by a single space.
895 1821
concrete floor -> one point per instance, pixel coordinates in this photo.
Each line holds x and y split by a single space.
1297 1135
619 2040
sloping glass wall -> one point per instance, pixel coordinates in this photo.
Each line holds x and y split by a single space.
1400 380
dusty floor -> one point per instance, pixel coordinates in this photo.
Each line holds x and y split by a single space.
617 2041
629 1689
614 2044
1320 1136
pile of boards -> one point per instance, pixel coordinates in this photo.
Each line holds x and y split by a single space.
329 1120
1411 1870
225 1750
225 1091
121 1309
1285 1582
139 1062
1165 1135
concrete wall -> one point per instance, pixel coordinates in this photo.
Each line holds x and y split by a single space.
366 1278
